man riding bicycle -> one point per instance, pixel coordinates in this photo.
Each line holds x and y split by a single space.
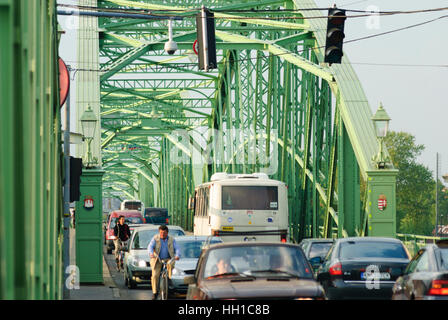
122 234
164 247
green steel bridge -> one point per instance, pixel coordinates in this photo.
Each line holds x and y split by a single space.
271 106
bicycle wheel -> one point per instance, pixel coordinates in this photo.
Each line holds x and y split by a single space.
163 286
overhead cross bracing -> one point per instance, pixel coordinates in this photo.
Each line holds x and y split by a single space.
271 105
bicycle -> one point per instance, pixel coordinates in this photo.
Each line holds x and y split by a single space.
163 279
123 246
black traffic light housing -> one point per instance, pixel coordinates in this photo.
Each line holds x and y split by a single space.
205 24
75 178
335 35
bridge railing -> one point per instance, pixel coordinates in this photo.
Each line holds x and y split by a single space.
415 242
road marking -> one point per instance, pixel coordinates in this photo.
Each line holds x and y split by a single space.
116 292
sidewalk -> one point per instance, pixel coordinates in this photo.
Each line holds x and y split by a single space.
106 291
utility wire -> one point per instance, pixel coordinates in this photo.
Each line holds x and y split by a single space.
365 13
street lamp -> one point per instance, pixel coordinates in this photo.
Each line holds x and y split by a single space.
381 122
88 125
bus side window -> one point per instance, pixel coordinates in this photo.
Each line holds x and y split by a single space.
201 202
195 203
207 196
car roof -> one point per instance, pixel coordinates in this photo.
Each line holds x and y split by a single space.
155 227
367 239
197 238
252 244
318 240
126 213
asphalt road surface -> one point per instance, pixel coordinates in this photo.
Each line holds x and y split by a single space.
142 292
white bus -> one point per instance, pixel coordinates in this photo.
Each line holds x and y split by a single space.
242 207
132 205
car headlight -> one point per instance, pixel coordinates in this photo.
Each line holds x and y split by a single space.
138 263
142 263
178 272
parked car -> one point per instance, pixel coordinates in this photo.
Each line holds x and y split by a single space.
131 217
190 249
137 269
253 270
364 267
316 250
156 216
426 276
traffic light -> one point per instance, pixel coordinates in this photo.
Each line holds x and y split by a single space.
75 178
335 35
205 24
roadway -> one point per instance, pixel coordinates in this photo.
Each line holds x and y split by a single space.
121 291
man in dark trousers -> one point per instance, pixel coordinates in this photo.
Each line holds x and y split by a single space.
122 234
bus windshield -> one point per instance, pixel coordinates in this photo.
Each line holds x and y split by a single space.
249 198
132 205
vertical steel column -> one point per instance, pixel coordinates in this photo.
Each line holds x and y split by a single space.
349 203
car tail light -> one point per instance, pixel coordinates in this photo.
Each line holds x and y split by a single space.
167 221
336 269
439 288
283 237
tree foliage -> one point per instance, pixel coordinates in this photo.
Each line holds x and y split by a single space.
415 185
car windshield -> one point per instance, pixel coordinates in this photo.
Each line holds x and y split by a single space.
442 255
192 249
371 249
257 261
127 220
156 213
319 249
143 237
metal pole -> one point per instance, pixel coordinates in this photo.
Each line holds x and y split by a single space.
204 36
437 195
66 257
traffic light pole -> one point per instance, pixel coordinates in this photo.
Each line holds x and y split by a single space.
66 256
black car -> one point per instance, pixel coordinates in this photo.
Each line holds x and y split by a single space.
316 250
361 268
426 276
156 216
253 270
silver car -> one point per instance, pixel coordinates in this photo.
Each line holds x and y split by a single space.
190 249
137 269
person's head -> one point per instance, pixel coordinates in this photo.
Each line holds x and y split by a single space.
163 231
121 219
223 265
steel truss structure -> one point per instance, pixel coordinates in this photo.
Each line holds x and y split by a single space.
271 106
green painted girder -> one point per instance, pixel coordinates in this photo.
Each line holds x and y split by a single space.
282 85
135 53
354 107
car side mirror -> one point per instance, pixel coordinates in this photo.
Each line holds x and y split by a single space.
189 280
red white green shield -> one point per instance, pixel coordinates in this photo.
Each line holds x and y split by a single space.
382 202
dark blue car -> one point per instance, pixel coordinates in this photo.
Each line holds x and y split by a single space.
156 216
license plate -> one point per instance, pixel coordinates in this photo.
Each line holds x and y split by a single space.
227 228
381 276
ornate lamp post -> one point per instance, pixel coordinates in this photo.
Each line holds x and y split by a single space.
88 124
381 122
89 210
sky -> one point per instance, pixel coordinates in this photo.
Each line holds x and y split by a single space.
413 95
